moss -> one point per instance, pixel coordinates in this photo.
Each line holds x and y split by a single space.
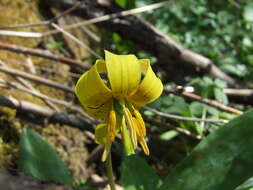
9 153
69 142
8 140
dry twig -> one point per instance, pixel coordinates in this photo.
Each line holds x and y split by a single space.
27 85
83 123
178 129
37 79
191 96
43 54
13 85
47 22
177 117
76 40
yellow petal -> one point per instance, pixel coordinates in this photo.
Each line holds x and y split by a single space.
106 152
93 93
124 73
102 139
101 133
150 87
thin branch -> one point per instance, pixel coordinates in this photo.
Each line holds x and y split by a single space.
45 69
241 96
47 22
21 34
238 92
36 79
76 40
44 113
43 54
64 13
177 117
169 126
38 94
27 85
191 96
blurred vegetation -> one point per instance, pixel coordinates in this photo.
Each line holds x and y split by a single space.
220 30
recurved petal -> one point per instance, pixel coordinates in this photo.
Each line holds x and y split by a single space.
101 133
93 93
150 87
124 73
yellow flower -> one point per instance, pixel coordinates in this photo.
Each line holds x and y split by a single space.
113 90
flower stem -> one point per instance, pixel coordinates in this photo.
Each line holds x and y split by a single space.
109 171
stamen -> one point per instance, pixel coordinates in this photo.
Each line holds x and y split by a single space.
136 126
144 145
130 124
141 123
140 136
111 129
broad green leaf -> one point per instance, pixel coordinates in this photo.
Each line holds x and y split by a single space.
222 161
246 185
39 159
138 175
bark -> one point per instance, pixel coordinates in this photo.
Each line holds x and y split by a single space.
176 61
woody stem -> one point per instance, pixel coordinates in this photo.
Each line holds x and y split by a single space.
109 171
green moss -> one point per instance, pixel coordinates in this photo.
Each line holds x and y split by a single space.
69 142
8 139
8 152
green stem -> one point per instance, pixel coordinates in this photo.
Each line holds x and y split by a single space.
109 171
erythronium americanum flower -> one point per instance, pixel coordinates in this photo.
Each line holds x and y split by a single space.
112 91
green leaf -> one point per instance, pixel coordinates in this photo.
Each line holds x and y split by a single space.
121 3
138 175
196 108
222 161
237 69
248 13
220 96
168 135
246 185
126 4
38 158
